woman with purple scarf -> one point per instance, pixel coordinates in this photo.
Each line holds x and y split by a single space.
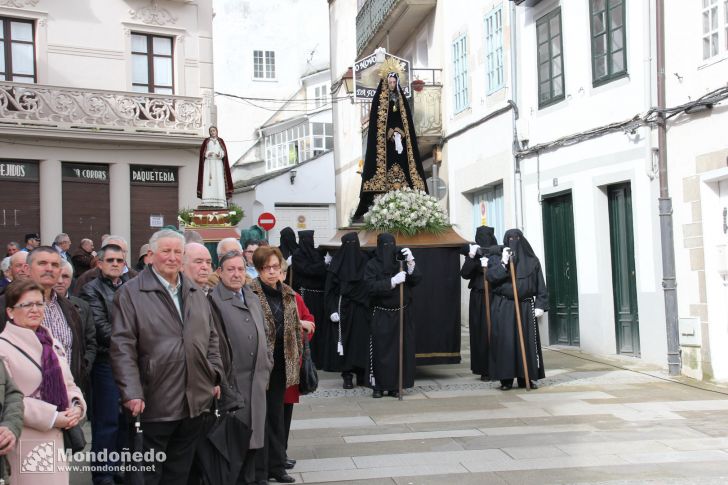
52 400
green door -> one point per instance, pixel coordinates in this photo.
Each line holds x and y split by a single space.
621 235
558 217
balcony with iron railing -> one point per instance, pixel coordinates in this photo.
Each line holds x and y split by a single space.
390 20
99 112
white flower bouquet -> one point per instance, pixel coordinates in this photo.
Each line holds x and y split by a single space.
407 212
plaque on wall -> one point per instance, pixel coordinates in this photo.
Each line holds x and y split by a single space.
153 175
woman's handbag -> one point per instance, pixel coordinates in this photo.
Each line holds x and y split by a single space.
74 439
308 380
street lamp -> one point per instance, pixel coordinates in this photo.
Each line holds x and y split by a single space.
348 80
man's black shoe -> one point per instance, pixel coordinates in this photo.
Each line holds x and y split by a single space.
484 377
376 394
506 387
393 394
289 464
348 382
285 478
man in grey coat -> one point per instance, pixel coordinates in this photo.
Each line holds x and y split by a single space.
242 328
165 357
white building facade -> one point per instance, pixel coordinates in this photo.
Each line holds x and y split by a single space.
104 107
697 150
262 51
590 208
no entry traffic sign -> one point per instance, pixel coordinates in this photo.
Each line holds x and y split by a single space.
267 221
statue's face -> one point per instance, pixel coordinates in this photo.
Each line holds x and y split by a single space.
392 81
213 132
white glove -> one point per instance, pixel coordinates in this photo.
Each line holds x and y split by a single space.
398 142
335 317
484 262
327 258
473 249
407 254
289 261
538 312
398 278
506 256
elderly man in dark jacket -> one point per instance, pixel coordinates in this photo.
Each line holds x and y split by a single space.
61 316
242 327
165 357
106 421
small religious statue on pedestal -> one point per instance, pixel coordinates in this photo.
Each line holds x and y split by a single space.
214 181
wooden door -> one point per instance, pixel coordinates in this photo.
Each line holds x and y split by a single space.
561 275
624 286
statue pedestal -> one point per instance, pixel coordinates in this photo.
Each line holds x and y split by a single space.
436 300
213 225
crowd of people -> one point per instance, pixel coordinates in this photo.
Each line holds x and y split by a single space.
171 344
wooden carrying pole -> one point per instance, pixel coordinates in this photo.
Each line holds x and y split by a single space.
486 295
401 329
517 303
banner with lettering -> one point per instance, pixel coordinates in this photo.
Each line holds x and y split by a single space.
85 172
18 170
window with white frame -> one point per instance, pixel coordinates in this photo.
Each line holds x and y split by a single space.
494 49
710 28
264 65
297 144
320 95
460 73
323 137
152 63
17 50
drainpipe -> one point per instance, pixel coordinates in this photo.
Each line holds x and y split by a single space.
517 180
669 283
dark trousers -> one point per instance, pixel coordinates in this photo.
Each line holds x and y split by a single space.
107 419
271 459
287 417
247 473
178 439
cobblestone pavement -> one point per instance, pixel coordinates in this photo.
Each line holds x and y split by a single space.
605 421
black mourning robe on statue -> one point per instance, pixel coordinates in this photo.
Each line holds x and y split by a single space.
384 169
309 276
383 369
347 294
472 270
505 360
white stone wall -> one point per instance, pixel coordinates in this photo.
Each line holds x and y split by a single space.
347 123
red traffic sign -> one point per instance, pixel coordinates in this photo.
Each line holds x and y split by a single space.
267 221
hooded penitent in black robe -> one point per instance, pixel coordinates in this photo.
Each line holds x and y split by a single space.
348 295
310 277
473 271
506 362
287 246
384 169
383 369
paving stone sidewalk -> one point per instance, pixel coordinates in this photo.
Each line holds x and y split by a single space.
593 421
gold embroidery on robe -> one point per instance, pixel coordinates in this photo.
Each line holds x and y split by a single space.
382 180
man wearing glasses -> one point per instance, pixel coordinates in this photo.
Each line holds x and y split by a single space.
106 420
250 248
